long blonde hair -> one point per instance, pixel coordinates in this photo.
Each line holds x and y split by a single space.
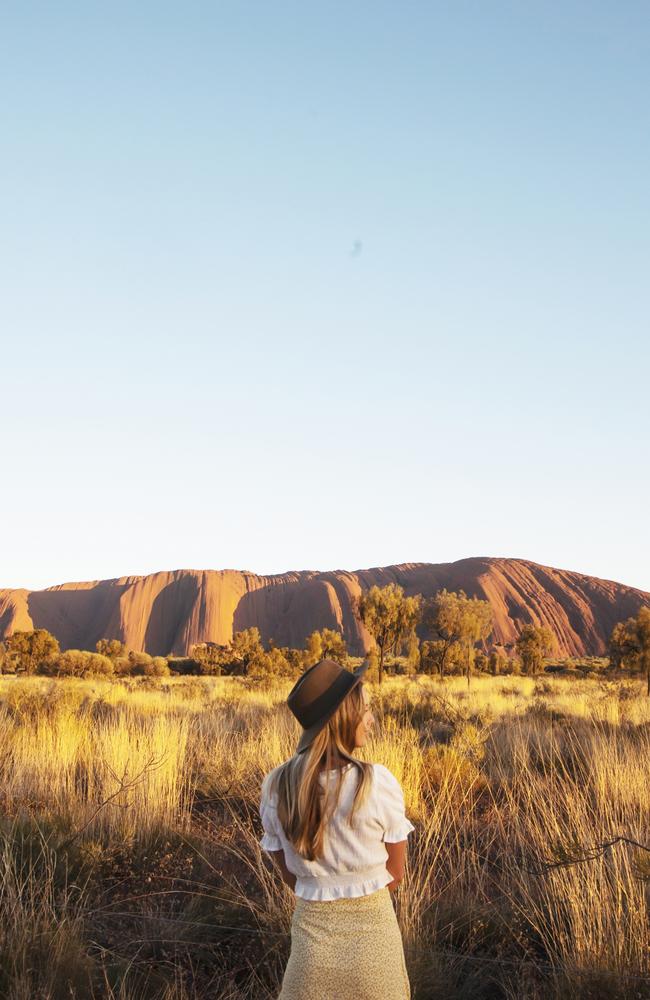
304 806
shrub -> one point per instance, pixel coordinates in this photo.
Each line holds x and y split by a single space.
110 647
122 666
144 665
160 667
183 665
28 651
269 664
481 662
210 657
78 663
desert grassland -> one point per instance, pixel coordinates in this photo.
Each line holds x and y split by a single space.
130 865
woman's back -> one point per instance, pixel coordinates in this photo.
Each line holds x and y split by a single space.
354 856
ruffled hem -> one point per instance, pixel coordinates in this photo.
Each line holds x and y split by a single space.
270 843
398 833
330 892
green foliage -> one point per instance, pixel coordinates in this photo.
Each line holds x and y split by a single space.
399 666
245 646
183 665
625 646
457 622
244 655
122 666
78 663
441 657
533 644
481 662
643 632
294 657
413 656
144 665
498 662
372 673
326 644
27 651
629 645
110 647
272 663
160 667
388 616
210 657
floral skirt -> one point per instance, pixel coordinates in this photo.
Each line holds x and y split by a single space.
346 949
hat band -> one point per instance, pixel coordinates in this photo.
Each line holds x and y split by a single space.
311 714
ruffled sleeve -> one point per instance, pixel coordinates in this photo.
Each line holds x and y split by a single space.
391 807
269 816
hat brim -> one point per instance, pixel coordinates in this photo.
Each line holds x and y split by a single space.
310 734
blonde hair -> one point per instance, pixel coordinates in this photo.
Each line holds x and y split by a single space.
304 806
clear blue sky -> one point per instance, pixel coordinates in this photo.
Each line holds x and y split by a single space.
316 286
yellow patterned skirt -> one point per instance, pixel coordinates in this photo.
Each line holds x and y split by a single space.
346 948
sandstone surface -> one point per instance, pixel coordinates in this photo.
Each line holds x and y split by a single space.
166 612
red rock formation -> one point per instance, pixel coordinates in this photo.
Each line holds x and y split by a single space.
167 612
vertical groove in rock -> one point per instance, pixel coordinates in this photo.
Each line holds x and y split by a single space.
168 612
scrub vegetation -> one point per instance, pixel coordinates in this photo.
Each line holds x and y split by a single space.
129 857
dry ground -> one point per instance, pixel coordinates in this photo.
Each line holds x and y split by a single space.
129 857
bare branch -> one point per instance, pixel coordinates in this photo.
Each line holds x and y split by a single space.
124 785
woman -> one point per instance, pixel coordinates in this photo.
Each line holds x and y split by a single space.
337 829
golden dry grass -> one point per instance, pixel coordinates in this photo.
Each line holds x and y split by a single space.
140 798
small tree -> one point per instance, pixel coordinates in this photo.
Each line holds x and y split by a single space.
245 647
497 662
112 648
388 615
457 622
533 644
624 646
414 659
210 656
481 662
272 663
435 652
326 644
27 650
409 614
643 632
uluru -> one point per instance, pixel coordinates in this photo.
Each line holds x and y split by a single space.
167 612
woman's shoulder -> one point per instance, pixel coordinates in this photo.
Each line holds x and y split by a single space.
383 774
385 781
268 790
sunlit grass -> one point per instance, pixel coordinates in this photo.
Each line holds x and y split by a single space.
501 780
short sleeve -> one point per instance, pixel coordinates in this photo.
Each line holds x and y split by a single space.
269 816
391 807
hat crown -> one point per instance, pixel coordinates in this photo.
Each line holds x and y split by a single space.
320 687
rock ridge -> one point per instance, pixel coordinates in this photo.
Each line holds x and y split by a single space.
167 612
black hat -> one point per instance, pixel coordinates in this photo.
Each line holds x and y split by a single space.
316 695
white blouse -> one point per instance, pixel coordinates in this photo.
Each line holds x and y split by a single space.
354 857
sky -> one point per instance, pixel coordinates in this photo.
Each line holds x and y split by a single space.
323 286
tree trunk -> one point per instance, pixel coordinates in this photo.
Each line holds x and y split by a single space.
381 663
443 660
